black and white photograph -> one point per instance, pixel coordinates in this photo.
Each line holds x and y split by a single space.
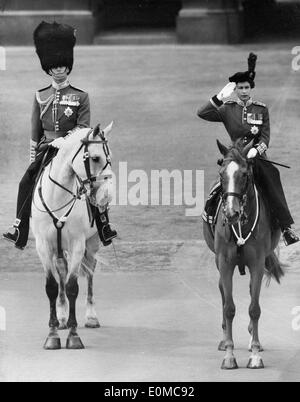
149 193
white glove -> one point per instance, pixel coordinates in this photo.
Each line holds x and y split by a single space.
252 153
33 145
58 142
226 91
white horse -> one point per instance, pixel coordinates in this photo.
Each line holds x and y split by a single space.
61 223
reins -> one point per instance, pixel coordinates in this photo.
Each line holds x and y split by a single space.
81 189
239 237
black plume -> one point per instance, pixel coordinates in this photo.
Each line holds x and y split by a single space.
251 65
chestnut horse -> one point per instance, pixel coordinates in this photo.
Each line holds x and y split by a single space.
242 237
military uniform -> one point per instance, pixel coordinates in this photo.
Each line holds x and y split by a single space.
249 122
57 111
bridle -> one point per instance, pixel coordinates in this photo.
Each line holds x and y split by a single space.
81 183
242 197
91 179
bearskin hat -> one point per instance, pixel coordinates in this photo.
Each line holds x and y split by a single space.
247 76
54 45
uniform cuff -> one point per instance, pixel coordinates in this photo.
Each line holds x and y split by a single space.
216 102
262 148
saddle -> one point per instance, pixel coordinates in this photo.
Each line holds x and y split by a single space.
212 205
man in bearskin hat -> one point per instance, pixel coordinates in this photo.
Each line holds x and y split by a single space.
248 120
58 111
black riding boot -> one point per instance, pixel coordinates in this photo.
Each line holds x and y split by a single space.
289 236
268 178
20 235
106 234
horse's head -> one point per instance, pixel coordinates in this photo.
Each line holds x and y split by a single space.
235 175
93 166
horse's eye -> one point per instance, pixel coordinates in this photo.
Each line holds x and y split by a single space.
96 159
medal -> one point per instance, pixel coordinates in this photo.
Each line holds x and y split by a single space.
254 130
68 112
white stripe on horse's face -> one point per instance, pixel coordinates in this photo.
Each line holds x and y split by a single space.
232 168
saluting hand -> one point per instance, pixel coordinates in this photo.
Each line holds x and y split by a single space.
226 91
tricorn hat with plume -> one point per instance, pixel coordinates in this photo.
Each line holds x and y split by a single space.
247 76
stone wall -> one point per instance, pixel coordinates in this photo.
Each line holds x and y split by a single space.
136 13
203 21
18 19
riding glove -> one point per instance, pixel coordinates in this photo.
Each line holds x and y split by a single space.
226 91
252 153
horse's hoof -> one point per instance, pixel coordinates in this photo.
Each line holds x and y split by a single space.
222 347
229 364
92 323
52 343
255 362
261 349
74 342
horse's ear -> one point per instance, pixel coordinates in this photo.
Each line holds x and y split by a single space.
96 130
247 148
224 150
108 129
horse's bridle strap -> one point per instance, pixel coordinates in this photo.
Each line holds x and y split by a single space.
232 194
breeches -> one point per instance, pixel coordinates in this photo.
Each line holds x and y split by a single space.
267 177
27 183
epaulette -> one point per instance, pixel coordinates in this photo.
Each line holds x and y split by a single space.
77 89
259 104
230 102
44 89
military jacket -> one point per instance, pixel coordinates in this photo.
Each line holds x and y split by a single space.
58 111
250 121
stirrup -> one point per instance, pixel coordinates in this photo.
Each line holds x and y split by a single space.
290 237
13 238
108 235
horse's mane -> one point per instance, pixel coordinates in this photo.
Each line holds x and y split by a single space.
235 152
74 139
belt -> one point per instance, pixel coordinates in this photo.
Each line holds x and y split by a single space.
51 135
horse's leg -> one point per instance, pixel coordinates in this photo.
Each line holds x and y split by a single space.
222 343
88 266
250 330
62 308
53 340
226 271
72 290
257 273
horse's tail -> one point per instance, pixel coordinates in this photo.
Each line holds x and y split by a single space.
273 268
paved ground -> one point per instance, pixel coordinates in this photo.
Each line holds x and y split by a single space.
160 309
157 325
